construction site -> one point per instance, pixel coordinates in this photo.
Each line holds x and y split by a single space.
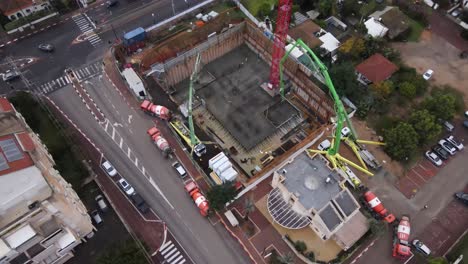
230 106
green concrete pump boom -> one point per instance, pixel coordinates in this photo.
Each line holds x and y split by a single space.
339 108
193 78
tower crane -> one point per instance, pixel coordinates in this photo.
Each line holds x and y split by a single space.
350 137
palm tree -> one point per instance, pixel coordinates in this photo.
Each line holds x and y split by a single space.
287 258
249 207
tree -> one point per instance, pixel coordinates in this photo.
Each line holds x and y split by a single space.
439 260
249 207
264 9
424 123
376 227
383 89
219 195
408 90
126 253
325 7
367 9
3 19
59 5
409 74
441 105
401 141
344 78
353 47
287 258
300 246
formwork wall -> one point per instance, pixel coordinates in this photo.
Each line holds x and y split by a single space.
180 67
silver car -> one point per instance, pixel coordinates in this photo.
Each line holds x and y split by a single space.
447 146
432 157
126 187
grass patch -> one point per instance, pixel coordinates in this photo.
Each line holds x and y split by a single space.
416 30
66 160
461 248
254 6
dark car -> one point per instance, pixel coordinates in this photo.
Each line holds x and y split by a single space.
46 47
462 197
465 124
442 153
139 203
112 3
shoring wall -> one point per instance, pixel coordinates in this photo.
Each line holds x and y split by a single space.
180 67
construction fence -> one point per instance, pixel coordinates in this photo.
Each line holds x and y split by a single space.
179 68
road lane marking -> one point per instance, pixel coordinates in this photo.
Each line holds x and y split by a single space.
87 70
113 132
136 161
130 119
121 142
128 152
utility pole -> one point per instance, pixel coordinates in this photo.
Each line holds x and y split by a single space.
173 8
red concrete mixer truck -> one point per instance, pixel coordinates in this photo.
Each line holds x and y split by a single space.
375 205
155 110
401 246
192 189
159 140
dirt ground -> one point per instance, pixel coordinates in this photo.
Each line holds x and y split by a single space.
433 52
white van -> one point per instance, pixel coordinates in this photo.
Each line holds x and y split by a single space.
101 203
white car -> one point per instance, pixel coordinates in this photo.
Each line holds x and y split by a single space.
126 187
180 169
457 144
345 131
431 156
447 146
110 170
428 74
421 247
326 144
456 12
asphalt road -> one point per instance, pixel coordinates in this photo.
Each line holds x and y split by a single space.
204 242
126 16
437 194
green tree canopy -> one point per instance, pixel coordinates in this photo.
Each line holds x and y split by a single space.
441 105
325 7
383 89
438 260
425 124
344 78
353 48
408 90
126 253
219 195
401 140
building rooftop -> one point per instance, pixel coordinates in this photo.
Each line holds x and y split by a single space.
12 155
306 177
375 28
11 6
5 105
330 43
377 68
305 31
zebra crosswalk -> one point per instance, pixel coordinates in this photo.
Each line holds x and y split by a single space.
86 26
81 74
171 253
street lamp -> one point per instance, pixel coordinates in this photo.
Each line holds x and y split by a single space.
173 8
154 20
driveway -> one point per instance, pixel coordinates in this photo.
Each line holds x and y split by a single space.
434 52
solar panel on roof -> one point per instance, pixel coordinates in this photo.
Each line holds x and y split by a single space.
3 163
11 150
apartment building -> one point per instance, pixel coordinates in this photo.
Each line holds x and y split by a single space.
41 217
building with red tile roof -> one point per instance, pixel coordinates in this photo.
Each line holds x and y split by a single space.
376 68
15 9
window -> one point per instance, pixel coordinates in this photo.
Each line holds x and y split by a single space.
19 15
28 11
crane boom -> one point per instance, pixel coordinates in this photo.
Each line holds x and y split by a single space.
193 77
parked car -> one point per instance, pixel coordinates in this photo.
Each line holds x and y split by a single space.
96 217
449 126
463 197
466 114
442 153
428 74
465 124
180 169
139 203
101 203
421 247
455 143
447 146
46 47
456 12
324 145
126 187
10 76
432 157
112 3
110 170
